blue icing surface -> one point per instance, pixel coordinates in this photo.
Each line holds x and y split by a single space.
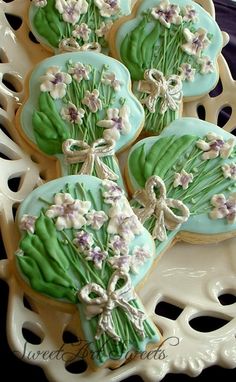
201 223
205 82
97 60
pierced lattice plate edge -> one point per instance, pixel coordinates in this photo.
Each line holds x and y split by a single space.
176 281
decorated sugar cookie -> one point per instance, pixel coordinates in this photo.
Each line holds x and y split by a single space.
183 183
75 25
171 50
82 244
80 109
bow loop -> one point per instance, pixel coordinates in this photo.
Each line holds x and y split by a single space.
77 151
157 86
159 206
109 299
71 45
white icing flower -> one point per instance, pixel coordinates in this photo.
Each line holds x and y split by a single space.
182 179
55 82
118 245
97 256
111 80
92 100
82 31
68 211
108 8
167 13
123 221
190 14
27 223
40 3
96 219
140 256
104 29
215 146
113 193
224 208
207 65
71 10
71 114
117 123
79 71
83 240
229 170
187 73
121 262
196 42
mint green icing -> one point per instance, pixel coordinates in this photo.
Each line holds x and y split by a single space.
173 151
49 28
53 266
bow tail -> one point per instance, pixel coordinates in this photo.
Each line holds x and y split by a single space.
143 213
106 325
159 231
136 316
88 165
150 102
103 171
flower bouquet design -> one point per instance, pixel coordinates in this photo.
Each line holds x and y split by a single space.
82 243
171 50
183 183
75 25
80 109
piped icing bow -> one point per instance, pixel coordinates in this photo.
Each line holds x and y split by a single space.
157 86
109 299
71 45
90 156
159 207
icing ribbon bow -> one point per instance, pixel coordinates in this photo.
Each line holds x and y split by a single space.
159 207
70 45
109 299
90 156
157 86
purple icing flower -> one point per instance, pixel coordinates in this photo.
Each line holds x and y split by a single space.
27 223
224 208
71 114
196 42
83 240
167 13
116 124
187 73
190 14
182 179
82 31
55 82
92 100
207 65
97 256
216 146
104 29
121 262
40 3
71 10
68 211
229 170
112 193
119 245
108 8
96 219
139 257
79 71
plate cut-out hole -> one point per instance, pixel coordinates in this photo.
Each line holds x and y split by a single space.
224 115
33 38
227 299
12 82
3 56
3 254
3 156
168 310
14 21
206 324
3 102
201 112
31 337
217 90
5 130
14 184
69 337
77 367
133 378
14 211
27 303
